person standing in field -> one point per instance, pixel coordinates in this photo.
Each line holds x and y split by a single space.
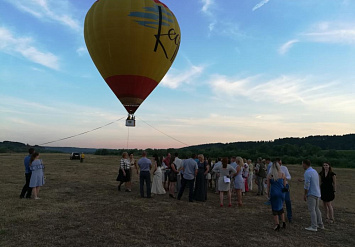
27 190
145 165
276 182
82 157
178 164
251 174
224 181
200 185
172 179
124 174
167 165
260 175
157 185
328 189
287 191
245 175
234 165
189 168
312 195
216 167
37 176
133 163
238 181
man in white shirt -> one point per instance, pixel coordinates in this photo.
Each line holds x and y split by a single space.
216 167
312 196
178 164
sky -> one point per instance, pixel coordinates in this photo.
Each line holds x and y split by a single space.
247 70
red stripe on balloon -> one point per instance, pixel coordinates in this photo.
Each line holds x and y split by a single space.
157 1
131 86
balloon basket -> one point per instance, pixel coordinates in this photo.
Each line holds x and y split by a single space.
131 121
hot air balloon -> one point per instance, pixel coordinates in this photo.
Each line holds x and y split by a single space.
133 43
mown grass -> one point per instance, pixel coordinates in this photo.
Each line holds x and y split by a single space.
80 206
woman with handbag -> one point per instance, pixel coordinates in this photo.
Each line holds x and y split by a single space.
276 186
226 172
124 174
37 177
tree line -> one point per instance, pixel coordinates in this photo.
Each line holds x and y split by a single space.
338 150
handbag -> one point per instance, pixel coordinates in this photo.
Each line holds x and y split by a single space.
172 176
227 180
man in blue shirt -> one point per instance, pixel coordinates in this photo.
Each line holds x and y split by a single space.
145 165
190 169
312 195
27 190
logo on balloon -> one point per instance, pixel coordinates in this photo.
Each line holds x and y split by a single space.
156 18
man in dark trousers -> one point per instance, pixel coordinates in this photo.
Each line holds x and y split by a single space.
26 190
145 165
190 168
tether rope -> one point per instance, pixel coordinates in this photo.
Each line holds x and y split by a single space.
163 132
82 132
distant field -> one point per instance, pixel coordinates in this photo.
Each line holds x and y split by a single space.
80 206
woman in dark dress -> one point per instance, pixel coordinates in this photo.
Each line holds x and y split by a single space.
327 189
200 193
276 181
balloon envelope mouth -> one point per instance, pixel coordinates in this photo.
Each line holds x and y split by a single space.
131 90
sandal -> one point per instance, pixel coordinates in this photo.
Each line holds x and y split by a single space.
331 221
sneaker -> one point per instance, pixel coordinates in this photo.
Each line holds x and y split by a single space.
37 198
321 227
267 203
311 229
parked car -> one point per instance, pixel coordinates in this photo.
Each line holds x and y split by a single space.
75 156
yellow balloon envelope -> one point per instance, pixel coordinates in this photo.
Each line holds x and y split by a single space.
133 43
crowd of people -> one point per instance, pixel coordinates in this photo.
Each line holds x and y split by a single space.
235 177
232 176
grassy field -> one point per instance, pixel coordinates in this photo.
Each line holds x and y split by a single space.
80 206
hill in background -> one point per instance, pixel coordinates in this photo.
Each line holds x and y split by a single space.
338 150
18 147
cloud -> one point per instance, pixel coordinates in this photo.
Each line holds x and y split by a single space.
287 46
331 32
324 32
175 78
49 10
81 51
23 46
259 5
306 91
206 6
207 10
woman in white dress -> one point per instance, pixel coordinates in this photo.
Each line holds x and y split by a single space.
37 177
157 186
